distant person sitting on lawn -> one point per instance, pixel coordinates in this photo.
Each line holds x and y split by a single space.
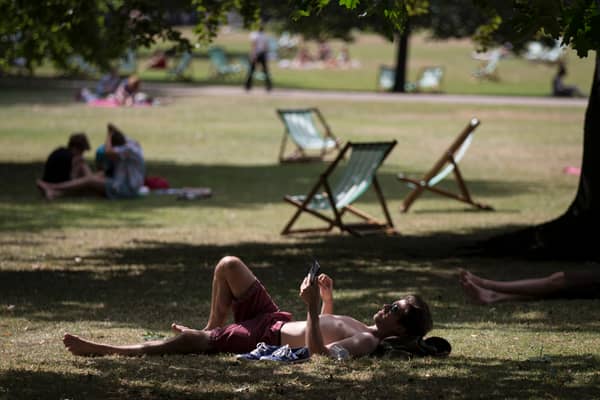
128 172
258 319
107 85
67 163
126 93
559 285
559 89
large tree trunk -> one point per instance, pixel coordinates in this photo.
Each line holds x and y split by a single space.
401 60
573 234
574 231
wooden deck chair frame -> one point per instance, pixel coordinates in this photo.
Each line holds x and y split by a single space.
446 164
301 154
370 224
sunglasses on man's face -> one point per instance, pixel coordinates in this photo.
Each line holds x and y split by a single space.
395 308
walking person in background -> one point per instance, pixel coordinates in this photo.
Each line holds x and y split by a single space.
258 54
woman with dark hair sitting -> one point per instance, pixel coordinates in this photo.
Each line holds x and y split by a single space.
128 172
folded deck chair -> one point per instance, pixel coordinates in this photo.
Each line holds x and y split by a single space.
446 164
311 142
334 194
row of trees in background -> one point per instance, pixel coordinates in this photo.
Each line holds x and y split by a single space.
102 30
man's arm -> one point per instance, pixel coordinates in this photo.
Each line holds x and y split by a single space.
361 344
109 151
314 338
326 291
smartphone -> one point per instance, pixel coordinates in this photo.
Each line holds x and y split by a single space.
314 270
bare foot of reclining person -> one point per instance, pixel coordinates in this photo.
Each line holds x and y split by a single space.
177 328
83 347
488 291
45 190
475 293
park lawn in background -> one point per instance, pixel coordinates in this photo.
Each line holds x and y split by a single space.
119 271
518 76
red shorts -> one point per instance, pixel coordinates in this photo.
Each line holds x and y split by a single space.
256 319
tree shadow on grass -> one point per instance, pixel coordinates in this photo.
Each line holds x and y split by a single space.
235 186
148 284
172 377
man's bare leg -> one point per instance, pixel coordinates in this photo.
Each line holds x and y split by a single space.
480 295
90 183
187 341
538 287
231 279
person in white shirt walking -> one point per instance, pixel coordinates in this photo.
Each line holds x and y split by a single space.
258 54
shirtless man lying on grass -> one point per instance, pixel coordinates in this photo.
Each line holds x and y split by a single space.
258 319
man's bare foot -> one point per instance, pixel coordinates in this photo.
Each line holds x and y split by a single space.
467 275
82 347
179 328
478 294
45 190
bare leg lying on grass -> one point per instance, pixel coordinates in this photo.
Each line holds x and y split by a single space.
576 284
231 280
258 319
186 341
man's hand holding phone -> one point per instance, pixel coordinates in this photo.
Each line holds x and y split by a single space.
313 272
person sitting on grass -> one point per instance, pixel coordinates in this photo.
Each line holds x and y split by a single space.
559 285
67 163
560 89
258 319
128 172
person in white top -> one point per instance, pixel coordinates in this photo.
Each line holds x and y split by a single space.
258 54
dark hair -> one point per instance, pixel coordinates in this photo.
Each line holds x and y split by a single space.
417 322
117 137
79 141
417 319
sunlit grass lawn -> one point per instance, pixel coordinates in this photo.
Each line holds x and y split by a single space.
118 270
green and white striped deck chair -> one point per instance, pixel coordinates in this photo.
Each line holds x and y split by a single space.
334 194
178 71
445 165
311 142
222 67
